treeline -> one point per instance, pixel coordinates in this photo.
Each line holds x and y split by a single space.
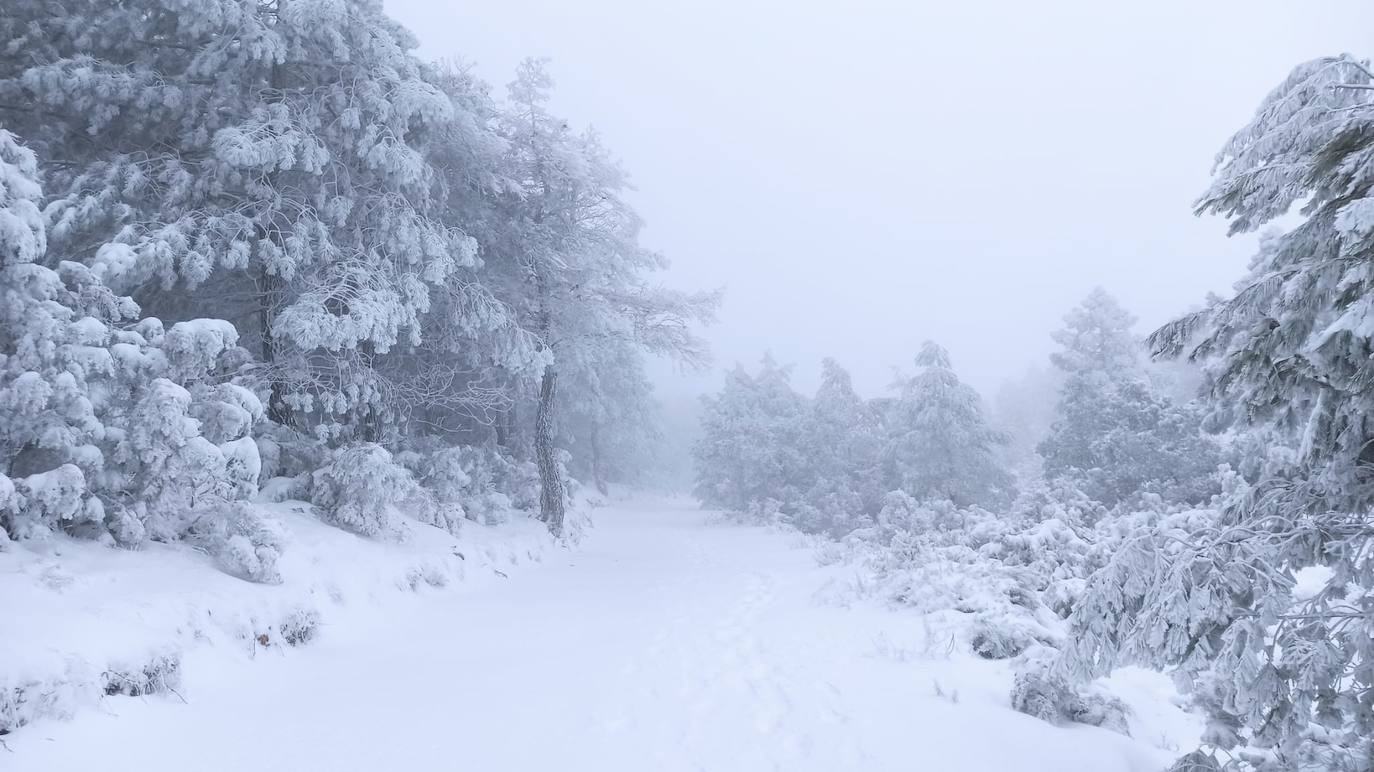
830 462
1229 541
244 240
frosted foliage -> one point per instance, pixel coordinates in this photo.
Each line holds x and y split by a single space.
1115 434
844 447
244 542
100 433
49 500
361 488
472 483
1097 336
1051 698
750 448
370 248
832 464
1287 678
23 238
193 347
941 445
305 195
227 412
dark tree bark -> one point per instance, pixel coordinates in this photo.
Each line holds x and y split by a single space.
269 294
551 488
598 470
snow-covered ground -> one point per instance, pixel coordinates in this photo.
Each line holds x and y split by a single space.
666 641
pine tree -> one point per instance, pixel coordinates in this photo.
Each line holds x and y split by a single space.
1115 435
941 447
844 450
1288 683
751 446
260 162
571 265
103 417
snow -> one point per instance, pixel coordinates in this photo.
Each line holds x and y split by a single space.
88 610
668 640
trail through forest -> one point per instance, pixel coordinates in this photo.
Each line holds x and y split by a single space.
667 641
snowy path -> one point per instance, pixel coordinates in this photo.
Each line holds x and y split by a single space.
663 643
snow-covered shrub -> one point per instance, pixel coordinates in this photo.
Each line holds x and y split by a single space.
1049 697
519 480
1005 614
901 513
1057 558
361 488
48 501
177 474
767 511
1009 626
286 452
1197 761
487 471
477 483
159 675
830 508
441 473
1059 499
1013 577
297 628
226 411
245 543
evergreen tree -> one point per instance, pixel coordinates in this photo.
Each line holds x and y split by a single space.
941 446
751 445
844 452
260 162
111 427
1289 357
1115 435
571 264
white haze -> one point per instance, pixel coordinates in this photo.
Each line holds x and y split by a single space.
861 176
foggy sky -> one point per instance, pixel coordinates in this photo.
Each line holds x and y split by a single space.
860 176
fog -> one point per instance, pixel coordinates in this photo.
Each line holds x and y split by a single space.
327 378
861 176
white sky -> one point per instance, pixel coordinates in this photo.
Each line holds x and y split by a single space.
863 175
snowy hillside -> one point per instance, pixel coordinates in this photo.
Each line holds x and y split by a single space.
101 625
670 640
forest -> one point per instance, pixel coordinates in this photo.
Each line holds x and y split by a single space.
264 267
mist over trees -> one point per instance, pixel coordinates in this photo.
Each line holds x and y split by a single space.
257 252
1225 538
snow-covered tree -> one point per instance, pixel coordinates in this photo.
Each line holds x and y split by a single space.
751 449
98 429
1114 433
571 263
844 455
940 445
1287 679
257 161
611 419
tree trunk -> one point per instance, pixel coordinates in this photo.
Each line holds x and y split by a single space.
271 287
504 424
551 490
269 295
598 471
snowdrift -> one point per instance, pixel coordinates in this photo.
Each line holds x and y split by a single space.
87 623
